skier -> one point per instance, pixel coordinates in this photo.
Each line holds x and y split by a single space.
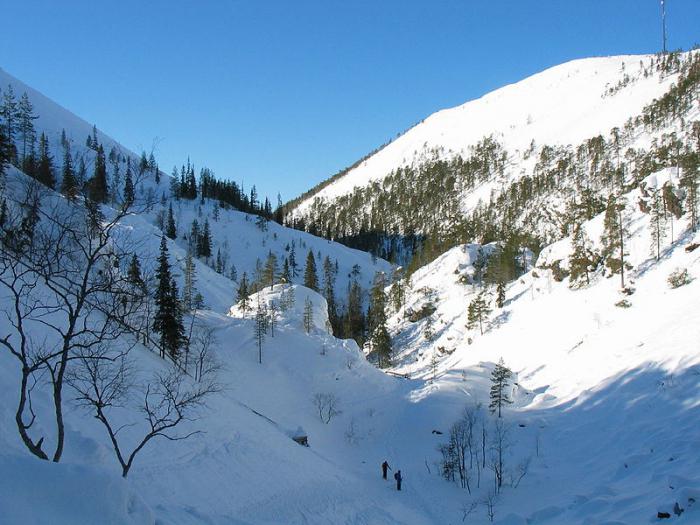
398 479
385 466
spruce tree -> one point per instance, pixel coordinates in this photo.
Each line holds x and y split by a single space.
69 184
133 273
329 289
45 170
168 317
97 186
478 312
293 266
219 264
499 384
243 293
189 290
195 232
286 276
170 228
354 322
310 274
379 335
129 194
204 242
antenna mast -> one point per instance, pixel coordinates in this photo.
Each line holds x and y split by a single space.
663 24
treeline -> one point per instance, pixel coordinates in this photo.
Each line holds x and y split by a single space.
185 186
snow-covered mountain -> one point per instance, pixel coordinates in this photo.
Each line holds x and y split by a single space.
565 104
513 157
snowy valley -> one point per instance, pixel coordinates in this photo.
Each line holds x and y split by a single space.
598 419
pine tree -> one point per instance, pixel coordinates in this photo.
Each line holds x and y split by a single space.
8 112
170 228
272 317
243 293
583 259
500 294
168 317
129 194
614 236
308 315
45 169
260 328
657 221
691 183
478 312
25 125
499 384
270 272
310 275
398 289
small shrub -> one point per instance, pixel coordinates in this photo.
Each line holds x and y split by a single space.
426 310
679 277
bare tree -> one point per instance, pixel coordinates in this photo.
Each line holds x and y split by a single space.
500 444
105 380
520 471
202 345
327 406
489 502
61 267
461 453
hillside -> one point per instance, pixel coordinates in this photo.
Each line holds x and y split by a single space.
512 161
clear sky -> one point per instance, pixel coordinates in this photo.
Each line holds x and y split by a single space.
286 93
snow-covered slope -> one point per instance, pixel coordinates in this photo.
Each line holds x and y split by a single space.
562 105
608 390
241 241
54 118
605 409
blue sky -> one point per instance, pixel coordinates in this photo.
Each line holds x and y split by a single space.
286 93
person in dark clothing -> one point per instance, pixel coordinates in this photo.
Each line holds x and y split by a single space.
385 467
398 479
